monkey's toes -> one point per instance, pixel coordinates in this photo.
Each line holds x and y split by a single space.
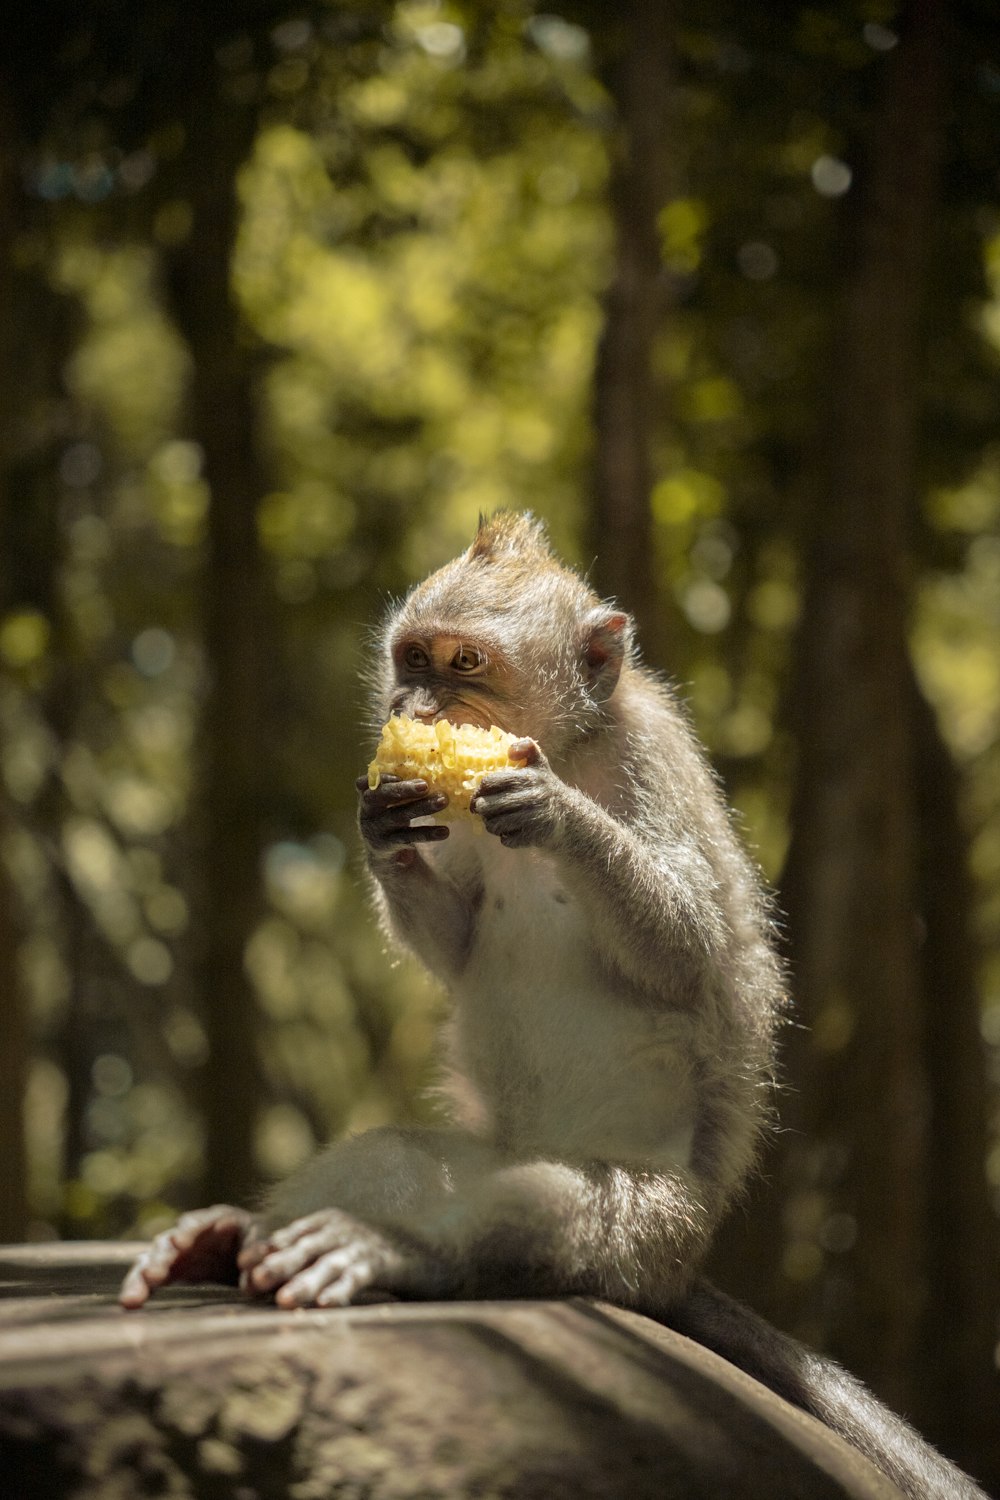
201 1246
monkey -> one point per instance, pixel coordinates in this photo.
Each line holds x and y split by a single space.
616 997
615 991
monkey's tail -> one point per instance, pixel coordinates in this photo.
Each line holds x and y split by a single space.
821 1387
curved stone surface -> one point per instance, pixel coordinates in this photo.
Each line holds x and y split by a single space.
204 1394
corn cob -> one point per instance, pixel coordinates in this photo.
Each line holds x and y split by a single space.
451 758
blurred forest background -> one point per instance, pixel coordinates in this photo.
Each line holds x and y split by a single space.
289 292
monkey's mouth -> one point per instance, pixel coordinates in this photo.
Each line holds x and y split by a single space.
457 712
460 713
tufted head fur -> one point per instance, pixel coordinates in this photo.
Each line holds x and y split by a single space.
509 534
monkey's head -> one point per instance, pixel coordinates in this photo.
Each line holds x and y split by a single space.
506 635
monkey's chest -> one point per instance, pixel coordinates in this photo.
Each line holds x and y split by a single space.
567 1058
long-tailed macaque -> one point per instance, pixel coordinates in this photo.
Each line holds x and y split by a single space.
615 1001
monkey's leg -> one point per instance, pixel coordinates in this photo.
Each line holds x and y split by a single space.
544 1228
391 1175
369 1214
201 1246
435 1213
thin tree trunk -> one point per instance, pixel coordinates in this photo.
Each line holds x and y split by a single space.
959 1408
26 359
626 398
237 646
851 886
14 1051
13 1075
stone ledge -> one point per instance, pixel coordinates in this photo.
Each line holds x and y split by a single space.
203 1394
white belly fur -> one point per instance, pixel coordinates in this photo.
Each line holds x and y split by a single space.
570 1060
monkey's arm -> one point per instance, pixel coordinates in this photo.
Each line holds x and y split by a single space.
426 911
649 905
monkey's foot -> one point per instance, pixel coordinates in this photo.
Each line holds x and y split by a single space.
330 1259
202 1246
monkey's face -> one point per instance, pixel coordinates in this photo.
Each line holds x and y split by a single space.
506 637
443 675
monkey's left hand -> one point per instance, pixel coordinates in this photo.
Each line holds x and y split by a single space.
526 805
330 1259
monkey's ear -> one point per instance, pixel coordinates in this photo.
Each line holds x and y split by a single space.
606 642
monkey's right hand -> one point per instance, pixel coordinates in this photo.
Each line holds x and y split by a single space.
202 1246
386 813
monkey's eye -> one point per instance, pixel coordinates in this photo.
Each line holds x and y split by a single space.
416 659
467 660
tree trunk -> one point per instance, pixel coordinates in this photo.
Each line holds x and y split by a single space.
860 1189
963 1313
13 1075
626 399
237 643
14 1052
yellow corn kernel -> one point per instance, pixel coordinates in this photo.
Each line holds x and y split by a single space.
451 758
